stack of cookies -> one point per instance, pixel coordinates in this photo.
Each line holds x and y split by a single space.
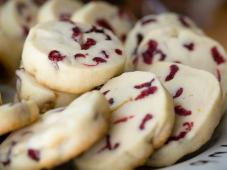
96 91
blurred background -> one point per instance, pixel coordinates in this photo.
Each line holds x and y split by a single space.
211 15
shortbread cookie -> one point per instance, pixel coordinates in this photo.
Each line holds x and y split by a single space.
29 89
197 99
17 115
59 136
72 57
58 10
182 46
142 120
150 23
17 17
107 16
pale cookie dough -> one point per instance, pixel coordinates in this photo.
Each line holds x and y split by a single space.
29 89
150 23
197 100
58 10
17 115
142 120
182 46
17 17
72 57
107 16
59 135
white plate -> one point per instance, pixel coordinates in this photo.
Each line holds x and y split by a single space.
213 156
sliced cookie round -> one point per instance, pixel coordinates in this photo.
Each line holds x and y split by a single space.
197 100
142 120
17 115
182 46
28 89
72 57
17 17
58 10
59 135
150 23
107 16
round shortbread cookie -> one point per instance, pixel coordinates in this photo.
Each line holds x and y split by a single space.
142 120
59 135
17 115
185 47
107 16
29 89
18 16
72 57
197 100
150 23
58 10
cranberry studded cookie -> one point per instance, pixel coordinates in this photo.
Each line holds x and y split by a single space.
58 10
18 16
183 46
142 120
29 89
72 57
107 16
197 99
59 135
17 115
150 23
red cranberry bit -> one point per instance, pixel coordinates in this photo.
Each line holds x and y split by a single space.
217 56
79 55
34 154
123 119
55 56
146 84
76 33
106 92
188 126
105 54
146 119
65 17
123 38
99 31
218 75
111 101
178 93
147 92
8 160
189 46
105 24
184 21
118 51
88 44
173 70
182 111
109 146
99 60
147 21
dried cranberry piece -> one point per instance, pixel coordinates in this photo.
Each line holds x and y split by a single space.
173 70
99 60
146 84
189 46
105 54
118 51
79 55
99 31
123 119
184 21
88 44
147 118
182 111
146 92
105 24
76 32
55 56
34 154
109 146
178 93
217 56
123 37
111 101
147 21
